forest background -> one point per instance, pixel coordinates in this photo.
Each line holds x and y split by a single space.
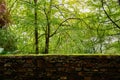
62 27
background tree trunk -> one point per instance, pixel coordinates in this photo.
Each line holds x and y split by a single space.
36 28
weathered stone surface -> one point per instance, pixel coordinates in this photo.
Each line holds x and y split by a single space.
60 68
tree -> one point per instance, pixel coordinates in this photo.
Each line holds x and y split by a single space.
7 40
4 14
36 28
66 26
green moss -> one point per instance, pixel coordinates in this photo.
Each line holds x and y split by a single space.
59 54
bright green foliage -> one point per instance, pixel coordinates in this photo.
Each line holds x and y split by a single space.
76 26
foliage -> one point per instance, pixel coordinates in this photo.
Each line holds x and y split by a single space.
65 26
7 41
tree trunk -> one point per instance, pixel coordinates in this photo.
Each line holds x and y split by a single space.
36 28
47 32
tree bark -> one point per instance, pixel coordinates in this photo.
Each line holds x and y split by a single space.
36 28
47 32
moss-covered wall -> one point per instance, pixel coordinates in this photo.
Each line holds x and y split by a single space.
60 68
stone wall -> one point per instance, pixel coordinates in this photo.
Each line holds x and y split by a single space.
60 68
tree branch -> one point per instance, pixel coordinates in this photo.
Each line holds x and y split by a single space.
66 21
109 16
